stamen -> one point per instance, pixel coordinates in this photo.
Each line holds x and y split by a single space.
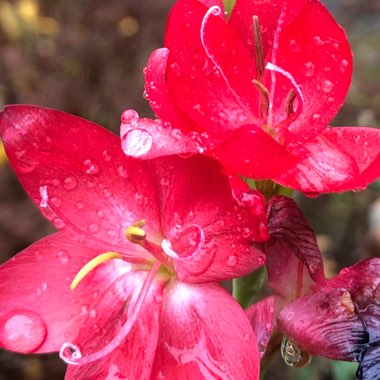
70 353
258 48
289 103
274 68
136 235
92 264
264 98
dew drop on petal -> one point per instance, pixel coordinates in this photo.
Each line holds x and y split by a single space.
260 260
247 336
122 171
315 117
80 205
93 313
93 228
129 116
22 331
90 167
70 183
308 69
232 261
327 86
290 315
136 142
343 65
63 256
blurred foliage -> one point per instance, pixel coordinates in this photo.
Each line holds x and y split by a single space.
86 57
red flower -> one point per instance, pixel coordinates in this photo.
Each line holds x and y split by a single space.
340 319
155 310
259 101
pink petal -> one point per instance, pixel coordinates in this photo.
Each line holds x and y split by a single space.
134 357
315 50
204 334
324 324
251 152
146 138
209 235
363 145
327 168
158 93
35 295
209 70
261 316
96 190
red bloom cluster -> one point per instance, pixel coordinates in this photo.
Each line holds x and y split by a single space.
150 224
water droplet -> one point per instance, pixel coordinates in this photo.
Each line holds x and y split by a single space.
59 223
106 156
247 336
164 181
290 315
176 69
129 116
158 298
232 261
56 201
93 313
318 40
260 260
136 142
93 228
315 117
294 47
308 69
41 289
111 233
327 86
63 256
122 171
26 166
343 65
80 205
100 213
22 331
70 183
90 167
84 310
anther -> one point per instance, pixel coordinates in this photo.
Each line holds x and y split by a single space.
92 264
134 233
258 48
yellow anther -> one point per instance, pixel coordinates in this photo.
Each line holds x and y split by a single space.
3 156
92 264
134 233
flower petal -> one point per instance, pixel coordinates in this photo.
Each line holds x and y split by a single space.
327 168
158 93
35 293
261 316
315 50
210 234
96 190
251 152
324 324
369 368
134 357
205 56
204 334
363 145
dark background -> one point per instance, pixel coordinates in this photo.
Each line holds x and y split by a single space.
86 57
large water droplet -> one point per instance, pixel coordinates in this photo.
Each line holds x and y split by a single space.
327 86
70 183
136 142
22 331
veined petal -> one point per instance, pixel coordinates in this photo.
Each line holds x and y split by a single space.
96 190
326 168
363 145
134 357
209 235
204 334
325 324
35 295
369 368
